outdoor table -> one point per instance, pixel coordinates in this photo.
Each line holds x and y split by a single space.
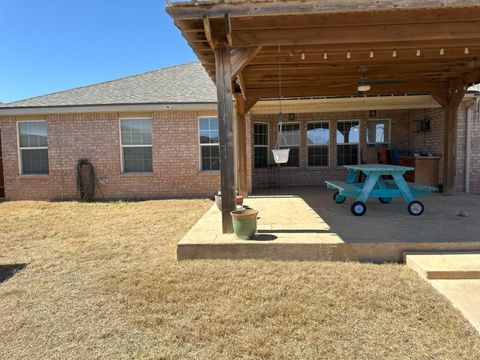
375 186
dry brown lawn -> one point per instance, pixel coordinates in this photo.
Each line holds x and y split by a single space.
101 281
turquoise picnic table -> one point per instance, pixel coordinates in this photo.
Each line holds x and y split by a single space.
375 186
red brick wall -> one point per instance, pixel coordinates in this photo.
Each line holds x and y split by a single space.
176 153
96 137
403 134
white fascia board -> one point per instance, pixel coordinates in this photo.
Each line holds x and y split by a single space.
104 108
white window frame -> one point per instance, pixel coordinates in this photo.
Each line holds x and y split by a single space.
131 146
261 146
349 143
299 146
327 145
389 132
200 145
19 148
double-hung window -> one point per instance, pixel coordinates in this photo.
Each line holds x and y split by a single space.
33 147
136 145
348 137
318 134
290 138
209 144
378 132
260 145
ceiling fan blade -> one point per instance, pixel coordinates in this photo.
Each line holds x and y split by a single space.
385 82
341 85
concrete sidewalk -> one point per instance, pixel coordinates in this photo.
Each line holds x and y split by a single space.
454 275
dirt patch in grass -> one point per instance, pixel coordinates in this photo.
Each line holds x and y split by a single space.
101 281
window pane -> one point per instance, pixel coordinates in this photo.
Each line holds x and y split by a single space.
35 162
209 131
347 154
137 159
33 134
378 131
261 157
318 156
260 132
293 157
210 157
289 135
136 131
348 132
318 134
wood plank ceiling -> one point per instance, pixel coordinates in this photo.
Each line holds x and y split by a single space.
422 50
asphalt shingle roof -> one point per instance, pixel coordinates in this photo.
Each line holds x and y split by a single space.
186 83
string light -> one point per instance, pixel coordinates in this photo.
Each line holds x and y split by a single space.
325 55
467 51
371 54
348 54
442 51
394 54
418 52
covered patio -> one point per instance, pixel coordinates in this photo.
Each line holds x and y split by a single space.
329 48
304 223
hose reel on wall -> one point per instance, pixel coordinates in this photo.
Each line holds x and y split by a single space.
85 180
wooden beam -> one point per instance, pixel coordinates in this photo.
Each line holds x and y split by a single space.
241 57
241 145
228 30
450 98
310 91
225 118
240 9
355 18
208 32
394 34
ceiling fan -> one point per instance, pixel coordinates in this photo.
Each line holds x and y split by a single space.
364 84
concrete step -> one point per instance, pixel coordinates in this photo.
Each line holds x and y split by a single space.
445 265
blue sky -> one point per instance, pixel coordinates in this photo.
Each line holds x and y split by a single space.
53 45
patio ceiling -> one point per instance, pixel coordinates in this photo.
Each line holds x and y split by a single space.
324 44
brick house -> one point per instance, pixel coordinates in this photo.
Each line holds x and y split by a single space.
155 135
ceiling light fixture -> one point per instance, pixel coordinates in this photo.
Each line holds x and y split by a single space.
442 51
418 52
466 51
394 54
364 85
348 54
325 55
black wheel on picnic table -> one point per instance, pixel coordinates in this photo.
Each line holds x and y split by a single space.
385 200
358 208
415 208
339 199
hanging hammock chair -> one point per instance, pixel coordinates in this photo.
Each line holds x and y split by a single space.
280 156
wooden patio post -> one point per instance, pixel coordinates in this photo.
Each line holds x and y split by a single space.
450 101
241 145
223 76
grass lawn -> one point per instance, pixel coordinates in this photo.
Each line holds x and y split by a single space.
101 281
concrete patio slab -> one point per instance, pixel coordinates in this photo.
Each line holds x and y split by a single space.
306 224
445 265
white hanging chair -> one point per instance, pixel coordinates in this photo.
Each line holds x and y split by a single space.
280 156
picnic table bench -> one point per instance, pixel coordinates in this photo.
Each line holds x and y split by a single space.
375 186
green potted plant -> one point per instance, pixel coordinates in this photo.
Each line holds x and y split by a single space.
244 223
